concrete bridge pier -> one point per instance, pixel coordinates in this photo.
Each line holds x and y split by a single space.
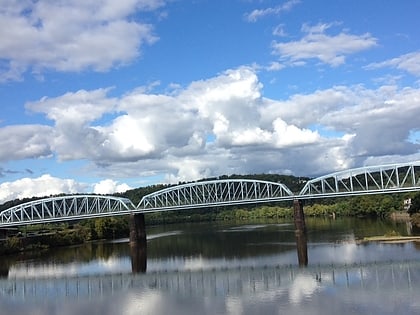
138 243
300 233
137 227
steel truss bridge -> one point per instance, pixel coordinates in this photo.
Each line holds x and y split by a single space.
388 279
392 178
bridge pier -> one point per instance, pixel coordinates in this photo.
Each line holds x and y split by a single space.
138 243
300 232
137 227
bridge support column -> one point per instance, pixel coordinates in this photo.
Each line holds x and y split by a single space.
137 229
300 232
138 243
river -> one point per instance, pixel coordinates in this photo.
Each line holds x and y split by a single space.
222 268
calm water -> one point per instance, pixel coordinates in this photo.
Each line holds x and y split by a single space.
222 269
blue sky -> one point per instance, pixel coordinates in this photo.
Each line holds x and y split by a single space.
103 96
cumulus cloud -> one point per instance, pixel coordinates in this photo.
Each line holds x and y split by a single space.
45 185
221 125
74 115
71 35
316 44
109 186
25 141
408 62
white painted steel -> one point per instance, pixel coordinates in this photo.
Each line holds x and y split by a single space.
392 178
64 208
215 193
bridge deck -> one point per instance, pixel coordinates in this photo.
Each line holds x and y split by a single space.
393 178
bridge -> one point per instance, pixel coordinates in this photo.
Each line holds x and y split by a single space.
391 178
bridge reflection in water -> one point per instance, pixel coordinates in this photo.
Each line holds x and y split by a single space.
388 278
138 252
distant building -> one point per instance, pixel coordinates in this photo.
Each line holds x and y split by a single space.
407 204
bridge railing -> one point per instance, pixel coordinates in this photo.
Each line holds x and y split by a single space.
365 180
218 192
64 208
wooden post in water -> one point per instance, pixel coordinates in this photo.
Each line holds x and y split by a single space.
300 232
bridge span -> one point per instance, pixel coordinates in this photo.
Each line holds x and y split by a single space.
391 178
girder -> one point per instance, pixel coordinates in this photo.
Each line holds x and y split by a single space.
392 178
389 178
213 193
64 208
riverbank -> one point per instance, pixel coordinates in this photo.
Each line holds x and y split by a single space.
391 239
68 237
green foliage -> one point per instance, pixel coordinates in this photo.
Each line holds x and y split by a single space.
12 244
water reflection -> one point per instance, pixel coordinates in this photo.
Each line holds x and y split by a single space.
221 269
138 255
381 288
302 248
209 246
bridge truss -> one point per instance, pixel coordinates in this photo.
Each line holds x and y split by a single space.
64 208
391 178
214 193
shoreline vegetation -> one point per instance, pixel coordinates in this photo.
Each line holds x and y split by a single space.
39 237
43 237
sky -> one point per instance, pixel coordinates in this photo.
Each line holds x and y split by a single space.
101 96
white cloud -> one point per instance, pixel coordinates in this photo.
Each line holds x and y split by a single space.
109 186
287 135
260 13
44 185
408 62
25 141
316 44
74 114
275 66
279 31
71 35
79 107
221 125
47 185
